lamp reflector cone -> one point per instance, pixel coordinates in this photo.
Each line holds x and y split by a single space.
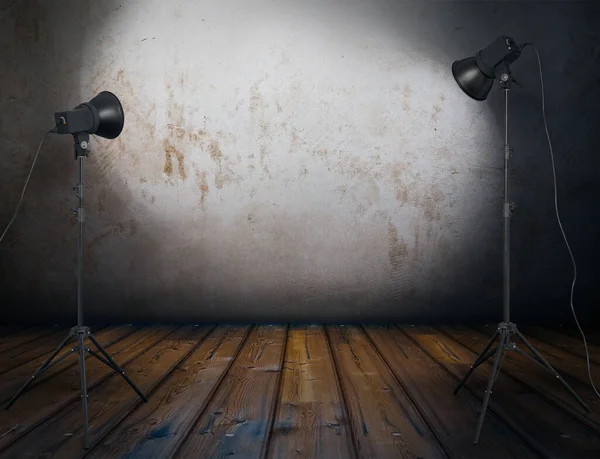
110 114
471 79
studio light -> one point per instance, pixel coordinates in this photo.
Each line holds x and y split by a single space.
102 116
476 76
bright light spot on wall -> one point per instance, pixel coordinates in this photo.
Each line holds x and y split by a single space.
291 154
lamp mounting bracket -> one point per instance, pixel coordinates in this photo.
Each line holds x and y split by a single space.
81 143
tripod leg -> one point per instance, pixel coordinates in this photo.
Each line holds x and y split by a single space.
84 405
533 359
478 361
492 380
117 368
545 363
38 372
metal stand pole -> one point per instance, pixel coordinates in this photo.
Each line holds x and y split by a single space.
508 208
80 219
506 329
80 332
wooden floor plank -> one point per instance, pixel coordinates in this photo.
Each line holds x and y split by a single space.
545 426
527 372
282 395
46 399
562 340
564 361
157 428
30 351
25 336
592 334
430 386
12 380
384 421
238 419
62 435
311 420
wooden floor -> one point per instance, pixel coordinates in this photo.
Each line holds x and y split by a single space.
281 391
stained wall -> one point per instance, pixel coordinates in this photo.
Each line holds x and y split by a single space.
306 161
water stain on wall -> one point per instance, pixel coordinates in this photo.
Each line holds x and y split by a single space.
431 202
170 153
398 249
430 199
168 169
202 186
195 136
215 152
399 176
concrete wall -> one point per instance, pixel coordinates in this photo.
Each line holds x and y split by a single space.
296 160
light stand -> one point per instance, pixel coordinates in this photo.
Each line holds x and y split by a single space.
80 332
507 330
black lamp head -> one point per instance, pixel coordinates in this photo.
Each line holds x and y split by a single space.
102 116
476 75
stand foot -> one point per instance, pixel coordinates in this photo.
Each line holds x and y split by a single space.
478 361
84 404
504 335
79 333
491 381
117 368
38 372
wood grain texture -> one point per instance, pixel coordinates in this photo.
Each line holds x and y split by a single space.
591 334
307 391
430 386
540 379
12 380
239 417
157 428
384 421
62 435
571 344
28 352
26 336
572 367
547 427
311 421
46 399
